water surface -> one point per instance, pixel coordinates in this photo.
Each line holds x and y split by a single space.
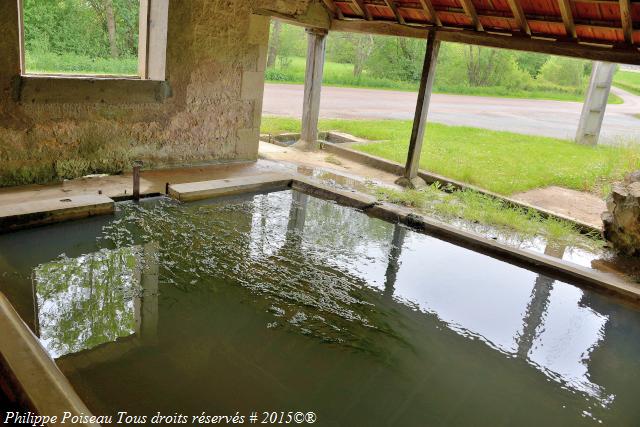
284 302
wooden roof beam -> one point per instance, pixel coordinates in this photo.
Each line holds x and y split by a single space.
627 21
528 44
470 10
361 9
567 18
334 9
518 14
392 5
427 7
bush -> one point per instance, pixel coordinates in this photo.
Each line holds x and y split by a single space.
564 72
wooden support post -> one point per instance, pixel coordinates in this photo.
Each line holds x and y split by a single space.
595 103
312 89
410 178
627 20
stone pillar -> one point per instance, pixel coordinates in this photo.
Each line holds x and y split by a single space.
312 88
595 103
410 178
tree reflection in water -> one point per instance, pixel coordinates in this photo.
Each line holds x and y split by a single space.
86 301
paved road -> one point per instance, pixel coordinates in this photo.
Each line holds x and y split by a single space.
528 116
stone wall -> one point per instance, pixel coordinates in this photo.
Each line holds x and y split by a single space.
208 110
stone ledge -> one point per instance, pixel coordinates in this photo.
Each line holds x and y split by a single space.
56 89
38 382
190 192
40 212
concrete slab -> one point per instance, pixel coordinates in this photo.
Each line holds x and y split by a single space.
39 212
190 192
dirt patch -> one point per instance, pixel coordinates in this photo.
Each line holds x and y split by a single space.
583 206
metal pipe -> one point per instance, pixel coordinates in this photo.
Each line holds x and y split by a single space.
137 164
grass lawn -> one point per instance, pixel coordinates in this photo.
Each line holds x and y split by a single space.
502 162
627 80
45 62
342 75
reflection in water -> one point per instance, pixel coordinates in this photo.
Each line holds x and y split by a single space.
390 276
86 301
97 298
325 274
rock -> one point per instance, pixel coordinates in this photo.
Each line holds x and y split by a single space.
632 177
622 218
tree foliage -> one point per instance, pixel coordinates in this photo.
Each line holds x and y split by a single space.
80 27
400 59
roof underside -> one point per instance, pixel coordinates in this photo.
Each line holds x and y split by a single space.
614 24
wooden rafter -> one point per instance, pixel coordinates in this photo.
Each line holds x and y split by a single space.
518 14
555 47
427 6
567 18
627 21
361 9
470 10
392 5
334 9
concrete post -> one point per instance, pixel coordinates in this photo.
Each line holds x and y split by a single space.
410 178
595 103
312 89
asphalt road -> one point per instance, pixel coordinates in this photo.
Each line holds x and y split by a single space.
529 116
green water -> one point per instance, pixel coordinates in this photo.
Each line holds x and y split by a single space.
283 302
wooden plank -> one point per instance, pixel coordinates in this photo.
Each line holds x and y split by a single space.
361 9
427 6
391 5
627 21
335 10
422 108
518 14
470 10
23 65
527 44
567 18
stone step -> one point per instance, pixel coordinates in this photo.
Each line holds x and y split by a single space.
49 211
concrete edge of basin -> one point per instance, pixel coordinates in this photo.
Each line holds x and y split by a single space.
34 376
559 268
49 211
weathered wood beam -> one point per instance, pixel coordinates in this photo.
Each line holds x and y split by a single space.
470 10
317 41
518 14
391 5
527 44
334 9
361 9
567 18
427 6
627 21
410 178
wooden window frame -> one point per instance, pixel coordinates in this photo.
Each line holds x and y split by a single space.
152 45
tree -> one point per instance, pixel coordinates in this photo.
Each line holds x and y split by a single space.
274 43
104 9
364 47
481 64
